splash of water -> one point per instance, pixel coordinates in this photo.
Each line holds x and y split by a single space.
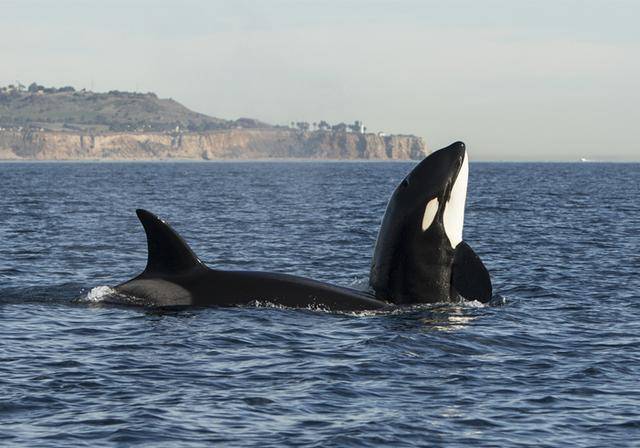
98 294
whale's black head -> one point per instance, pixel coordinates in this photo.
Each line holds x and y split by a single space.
421 235
434 192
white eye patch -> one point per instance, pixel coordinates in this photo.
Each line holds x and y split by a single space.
429 213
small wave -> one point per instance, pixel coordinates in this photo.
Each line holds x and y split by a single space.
397 310
107 295
98 294
498 300
323 309
472 304
360 283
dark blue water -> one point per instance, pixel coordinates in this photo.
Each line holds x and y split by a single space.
557 364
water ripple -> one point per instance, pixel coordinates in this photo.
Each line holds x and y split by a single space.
554 361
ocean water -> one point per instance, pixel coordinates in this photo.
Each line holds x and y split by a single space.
554 361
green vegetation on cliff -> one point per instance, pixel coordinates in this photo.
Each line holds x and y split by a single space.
68 109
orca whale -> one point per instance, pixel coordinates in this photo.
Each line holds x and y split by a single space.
175 276
419 256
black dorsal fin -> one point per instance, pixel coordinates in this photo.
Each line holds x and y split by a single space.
168 252
469 276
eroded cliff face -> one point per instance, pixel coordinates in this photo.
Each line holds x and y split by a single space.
224 144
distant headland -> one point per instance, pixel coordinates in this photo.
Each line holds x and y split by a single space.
48 123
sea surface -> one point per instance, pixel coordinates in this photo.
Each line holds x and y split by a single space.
554 361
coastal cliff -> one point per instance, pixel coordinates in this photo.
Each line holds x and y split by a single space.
49 123
259 143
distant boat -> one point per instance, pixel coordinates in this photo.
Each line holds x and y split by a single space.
582 159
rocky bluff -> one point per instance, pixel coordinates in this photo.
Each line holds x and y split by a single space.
49 123
260 143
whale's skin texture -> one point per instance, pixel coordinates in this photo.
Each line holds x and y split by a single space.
203 288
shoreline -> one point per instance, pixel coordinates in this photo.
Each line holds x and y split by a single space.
295 160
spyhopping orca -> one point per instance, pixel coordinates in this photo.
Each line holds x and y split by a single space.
419 256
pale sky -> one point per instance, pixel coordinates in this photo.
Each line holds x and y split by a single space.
514 79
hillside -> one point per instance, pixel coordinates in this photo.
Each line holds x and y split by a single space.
66 108
65 124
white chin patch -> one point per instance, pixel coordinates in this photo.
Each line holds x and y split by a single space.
429 213
453 216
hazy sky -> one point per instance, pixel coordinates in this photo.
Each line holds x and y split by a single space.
514 79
